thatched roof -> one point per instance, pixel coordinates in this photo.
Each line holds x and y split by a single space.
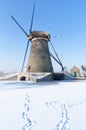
39 34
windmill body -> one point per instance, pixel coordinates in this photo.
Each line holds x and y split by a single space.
39 66
39 59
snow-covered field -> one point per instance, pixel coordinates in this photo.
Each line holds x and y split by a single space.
59 105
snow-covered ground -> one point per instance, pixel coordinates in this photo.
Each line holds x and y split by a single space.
59 105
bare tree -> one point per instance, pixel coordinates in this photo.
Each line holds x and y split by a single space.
84 70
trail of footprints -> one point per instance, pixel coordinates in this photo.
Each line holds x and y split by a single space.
62 123
64 109
29 122
58 106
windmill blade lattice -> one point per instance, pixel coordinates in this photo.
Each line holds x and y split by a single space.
30 30
19 26
57 57
25 56
32 18
28 39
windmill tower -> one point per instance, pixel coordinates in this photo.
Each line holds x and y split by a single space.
39 60
39 63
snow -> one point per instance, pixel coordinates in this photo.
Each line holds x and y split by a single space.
6 76
59 105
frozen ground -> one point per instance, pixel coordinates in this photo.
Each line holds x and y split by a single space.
43 106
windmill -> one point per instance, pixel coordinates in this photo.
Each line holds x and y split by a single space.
39 59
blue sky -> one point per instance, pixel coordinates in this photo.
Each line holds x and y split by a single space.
65 19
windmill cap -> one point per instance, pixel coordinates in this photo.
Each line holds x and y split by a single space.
39 34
